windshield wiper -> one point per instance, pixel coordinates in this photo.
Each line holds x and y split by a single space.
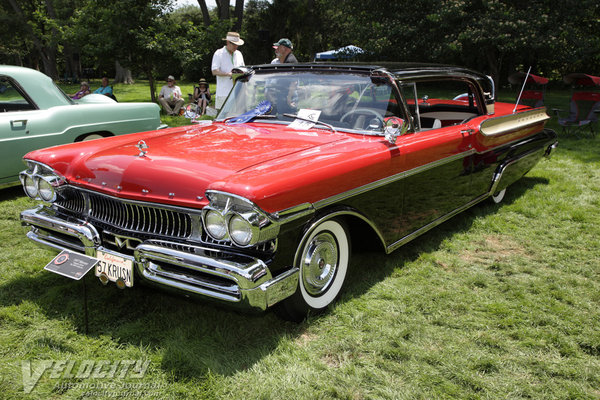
310 120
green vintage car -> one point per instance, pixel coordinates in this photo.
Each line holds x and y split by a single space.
35 113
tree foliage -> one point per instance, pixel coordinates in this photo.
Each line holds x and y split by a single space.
154 40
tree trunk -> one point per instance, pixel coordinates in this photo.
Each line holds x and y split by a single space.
223 7
205 14
122 75
152 88
239 15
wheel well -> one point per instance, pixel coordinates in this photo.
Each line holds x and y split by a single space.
362 234
84 135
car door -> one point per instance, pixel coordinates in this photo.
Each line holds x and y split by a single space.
438 154
17 113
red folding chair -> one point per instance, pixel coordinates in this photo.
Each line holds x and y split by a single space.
584 106
535 93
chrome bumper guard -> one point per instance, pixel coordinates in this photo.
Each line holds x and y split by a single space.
229 277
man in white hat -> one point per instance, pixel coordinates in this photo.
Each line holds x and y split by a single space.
223 61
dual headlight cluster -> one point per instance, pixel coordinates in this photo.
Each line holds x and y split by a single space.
40 182
236 219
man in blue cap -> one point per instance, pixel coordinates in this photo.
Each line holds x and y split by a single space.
283 52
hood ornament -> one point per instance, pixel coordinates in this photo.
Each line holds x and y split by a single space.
142 146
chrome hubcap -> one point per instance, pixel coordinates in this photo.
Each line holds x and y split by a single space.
320 263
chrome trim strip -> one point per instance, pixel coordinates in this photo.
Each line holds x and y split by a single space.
433 224
495 181
135 202
294 212
390 179
497 126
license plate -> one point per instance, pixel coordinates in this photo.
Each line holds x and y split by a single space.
116 268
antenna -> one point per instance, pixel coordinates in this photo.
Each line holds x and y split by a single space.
522 88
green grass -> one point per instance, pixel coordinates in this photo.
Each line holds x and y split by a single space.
501 302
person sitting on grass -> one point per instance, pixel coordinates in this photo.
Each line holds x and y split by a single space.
170 97
202 96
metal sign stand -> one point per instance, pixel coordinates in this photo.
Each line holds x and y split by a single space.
74 266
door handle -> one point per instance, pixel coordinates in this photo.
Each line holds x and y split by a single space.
18 124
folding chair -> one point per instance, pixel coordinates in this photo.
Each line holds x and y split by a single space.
532 96
584 106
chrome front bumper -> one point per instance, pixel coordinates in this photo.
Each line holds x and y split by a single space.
230 277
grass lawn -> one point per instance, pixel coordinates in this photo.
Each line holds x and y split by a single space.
500 302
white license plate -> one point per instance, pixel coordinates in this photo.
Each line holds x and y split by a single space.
115 268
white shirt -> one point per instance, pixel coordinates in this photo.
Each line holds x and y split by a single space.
224 61
171 93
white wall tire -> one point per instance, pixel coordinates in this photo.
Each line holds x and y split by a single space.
323 264
322 258
91 136
497 198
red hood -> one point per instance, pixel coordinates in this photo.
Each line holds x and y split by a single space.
180 163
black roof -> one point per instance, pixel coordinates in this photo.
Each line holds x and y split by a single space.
400 70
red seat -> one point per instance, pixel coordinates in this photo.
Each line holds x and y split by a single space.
583 112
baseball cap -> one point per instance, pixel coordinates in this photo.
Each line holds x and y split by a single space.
284 42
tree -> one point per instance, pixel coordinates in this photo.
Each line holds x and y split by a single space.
42 27
139 44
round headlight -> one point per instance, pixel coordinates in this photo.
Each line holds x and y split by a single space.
45 190
240 230
215 224
30 187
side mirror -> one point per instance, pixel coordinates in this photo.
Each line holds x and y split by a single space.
395 127
241 73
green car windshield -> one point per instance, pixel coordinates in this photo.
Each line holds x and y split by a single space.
344 101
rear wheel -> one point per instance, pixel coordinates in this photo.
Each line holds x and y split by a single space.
92 137
497 198
322 258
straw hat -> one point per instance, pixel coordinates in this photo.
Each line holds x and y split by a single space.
234 38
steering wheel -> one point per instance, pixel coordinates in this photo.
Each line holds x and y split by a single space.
363 111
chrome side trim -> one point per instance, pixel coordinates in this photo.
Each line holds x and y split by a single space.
495 181
386 181
294 212
433 224
507 123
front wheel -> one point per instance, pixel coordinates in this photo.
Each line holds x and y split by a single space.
322 259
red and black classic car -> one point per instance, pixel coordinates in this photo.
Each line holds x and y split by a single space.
258 207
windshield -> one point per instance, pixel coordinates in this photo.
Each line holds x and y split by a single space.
345 101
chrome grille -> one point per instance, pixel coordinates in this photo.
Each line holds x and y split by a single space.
129 216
